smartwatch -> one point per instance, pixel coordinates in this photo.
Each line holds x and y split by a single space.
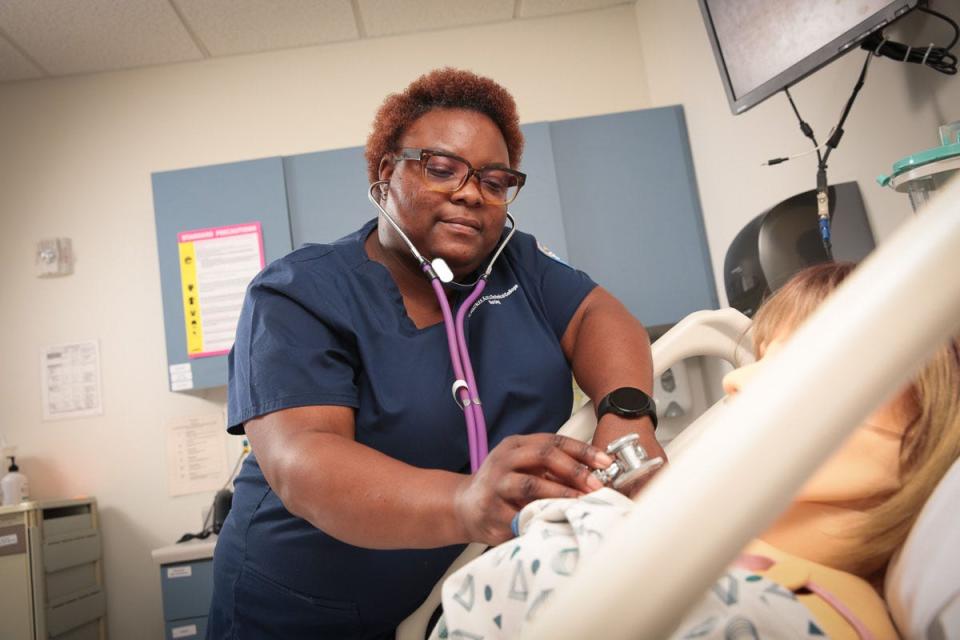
628 402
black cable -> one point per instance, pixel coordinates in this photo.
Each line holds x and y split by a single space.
804 127
945 18
195 536
940 59
823 197
834 139
207 527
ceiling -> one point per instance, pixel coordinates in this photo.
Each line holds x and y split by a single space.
51 38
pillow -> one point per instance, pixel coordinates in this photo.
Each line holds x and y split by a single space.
923 583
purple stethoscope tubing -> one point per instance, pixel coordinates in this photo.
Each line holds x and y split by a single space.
480 425
465 385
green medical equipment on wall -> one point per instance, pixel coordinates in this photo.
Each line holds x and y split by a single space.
922 173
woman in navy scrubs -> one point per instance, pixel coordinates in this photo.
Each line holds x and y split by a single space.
358 493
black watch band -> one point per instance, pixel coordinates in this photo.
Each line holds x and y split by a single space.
628 402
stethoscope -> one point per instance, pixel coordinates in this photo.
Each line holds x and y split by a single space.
464 387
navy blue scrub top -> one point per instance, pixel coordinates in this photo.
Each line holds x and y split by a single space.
325 325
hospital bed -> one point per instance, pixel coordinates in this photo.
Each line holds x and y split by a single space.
884 321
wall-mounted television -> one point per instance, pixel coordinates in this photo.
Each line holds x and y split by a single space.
762 46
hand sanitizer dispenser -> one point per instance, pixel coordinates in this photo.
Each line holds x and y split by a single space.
14 485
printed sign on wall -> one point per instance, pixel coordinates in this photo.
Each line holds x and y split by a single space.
71 380
216 265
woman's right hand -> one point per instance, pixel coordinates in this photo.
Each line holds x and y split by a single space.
519 470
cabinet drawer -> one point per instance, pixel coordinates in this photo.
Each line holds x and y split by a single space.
75 610
66 524
71 549
89 631
187 589
67 581
186 629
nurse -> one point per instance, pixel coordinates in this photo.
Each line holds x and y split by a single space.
358 493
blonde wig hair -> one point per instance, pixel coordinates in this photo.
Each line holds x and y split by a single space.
931 442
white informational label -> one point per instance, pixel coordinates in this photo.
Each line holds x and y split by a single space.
71 380
181 377
196 454
186 631
8 540
216 265
180 572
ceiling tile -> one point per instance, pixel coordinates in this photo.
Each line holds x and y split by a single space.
13 66
387 17
536 8
68 36
228 27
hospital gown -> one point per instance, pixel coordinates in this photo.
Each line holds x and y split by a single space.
496 594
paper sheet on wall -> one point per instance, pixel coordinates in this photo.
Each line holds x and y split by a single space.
70 375
196 454
216 265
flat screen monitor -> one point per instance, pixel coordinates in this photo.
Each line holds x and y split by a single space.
762 46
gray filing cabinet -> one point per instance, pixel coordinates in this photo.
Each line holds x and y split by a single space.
186 582
50 569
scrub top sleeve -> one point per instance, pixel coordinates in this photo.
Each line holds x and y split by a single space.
287 355
563 288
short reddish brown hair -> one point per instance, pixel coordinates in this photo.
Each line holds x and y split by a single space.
445 88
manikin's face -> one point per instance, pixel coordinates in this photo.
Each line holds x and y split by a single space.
735 381
458 227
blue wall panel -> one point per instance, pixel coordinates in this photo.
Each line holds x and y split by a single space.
631 211
220 195
327 194
537 208
615 195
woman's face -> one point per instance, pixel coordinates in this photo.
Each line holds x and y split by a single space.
458 227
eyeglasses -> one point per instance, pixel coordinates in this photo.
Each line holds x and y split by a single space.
447 173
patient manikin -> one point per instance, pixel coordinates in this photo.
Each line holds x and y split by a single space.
814 573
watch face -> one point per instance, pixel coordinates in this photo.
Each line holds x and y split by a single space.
629 400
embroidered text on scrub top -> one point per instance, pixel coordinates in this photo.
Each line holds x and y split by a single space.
493 298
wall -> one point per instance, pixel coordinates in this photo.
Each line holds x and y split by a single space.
76 156
896 114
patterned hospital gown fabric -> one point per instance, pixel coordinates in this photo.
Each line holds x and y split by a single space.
496 594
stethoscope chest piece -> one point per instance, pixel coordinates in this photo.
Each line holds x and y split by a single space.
631 462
